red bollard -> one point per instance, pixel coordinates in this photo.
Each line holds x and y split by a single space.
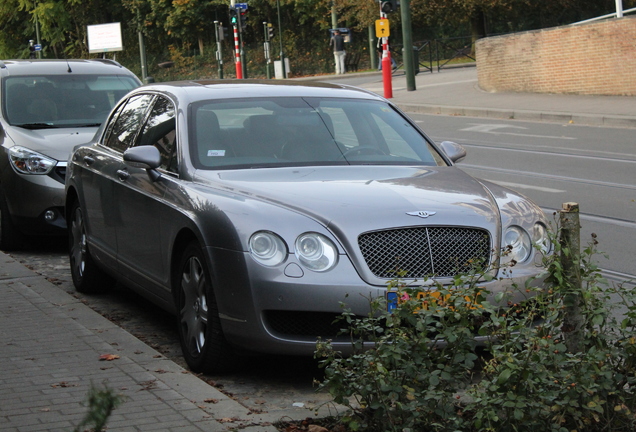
386 70
237 52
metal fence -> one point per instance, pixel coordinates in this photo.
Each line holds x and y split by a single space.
438 53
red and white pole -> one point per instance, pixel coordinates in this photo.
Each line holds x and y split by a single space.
387 67
237 51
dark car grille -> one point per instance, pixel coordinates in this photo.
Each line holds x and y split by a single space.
425 251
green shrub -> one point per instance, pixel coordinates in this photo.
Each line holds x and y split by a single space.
410 366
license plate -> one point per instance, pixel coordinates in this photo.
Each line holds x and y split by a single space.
393 299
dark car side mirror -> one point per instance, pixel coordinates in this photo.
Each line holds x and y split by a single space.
454 151
145 157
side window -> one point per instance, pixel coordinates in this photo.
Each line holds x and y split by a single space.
128 122
160 131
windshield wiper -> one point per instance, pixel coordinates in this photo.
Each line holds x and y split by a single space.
37 126
90 125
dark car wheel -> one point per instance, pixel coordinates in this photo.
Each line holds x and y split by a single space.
88 278
202 341
10 237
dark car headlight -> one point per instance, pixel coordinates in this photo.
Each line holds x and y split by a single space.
316 252
267 248
27 161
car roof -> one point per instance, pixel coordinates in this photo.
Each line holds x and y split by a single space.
61 67
192 91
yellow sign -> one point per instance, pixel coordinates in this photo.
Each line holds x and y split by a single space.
382 28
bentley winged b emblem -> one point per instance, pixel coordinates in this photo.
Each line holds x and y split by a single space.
421 213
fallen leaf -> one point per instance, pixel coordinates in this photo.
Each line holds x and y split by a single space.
212 401
63 384
108 357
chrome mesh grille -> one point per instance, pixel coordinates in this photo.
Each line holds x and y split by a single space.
425 251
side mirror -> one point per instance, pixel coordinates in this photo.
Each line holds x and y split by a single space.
454 151
145 157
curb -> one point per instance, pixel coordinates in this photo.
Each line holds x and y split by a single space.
554 117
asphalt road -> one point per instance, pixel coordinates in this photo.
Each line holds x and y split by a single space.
556 163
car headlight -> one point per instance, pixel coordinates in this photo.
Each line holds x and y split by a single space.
517 244
541 238
267 248
316 252
26 161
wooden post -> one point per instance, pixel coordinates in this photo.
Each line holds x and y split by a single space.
570 240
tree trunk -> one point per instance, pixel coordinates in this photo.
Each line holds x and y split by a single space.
570 240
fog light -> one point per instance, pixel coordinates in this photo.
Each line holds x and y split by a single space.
50 216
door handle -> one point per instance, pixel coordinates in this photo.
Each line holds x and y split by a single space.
89 160
123 174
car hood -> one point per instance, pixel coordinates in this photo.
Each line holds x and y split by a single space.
356 199
55 143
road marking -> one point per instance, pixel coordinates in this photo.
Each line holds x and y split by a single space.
491 128
525 186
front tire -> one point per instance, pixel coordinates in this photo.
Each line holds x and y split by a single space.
88 278
204 346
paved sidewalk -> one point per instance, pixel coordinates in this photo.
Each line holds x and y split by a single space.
455 91
50 356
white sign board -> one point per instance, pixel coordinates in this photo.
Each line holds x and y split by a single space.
104 38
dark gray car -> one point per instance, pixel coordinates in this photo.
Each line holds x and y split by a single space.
48 108
252 209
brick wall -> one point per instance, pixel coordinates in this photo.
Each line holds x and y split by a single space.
595 58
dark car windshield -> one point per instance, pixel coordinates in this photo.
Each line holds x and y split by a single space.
253 133
38 102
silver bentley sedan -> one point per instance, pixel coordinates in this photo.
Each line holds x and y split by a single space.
252 209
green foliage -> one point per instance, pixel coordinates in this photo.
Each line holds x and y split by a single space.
409 365
532 382
101 403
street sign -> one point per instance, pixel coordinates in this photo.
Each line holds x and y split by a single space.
37 47
382 28
240 6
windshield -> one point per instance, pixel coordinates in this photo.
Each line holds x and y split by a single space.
252 133
62 101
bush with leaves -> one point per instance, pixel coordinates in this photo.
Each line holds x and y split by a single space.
409 364
534 382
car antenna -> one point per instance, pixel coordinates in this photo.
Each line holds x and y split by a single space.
69 66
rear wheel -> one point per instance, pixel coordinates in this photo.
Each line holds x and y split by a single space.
204 346
88 278
10 237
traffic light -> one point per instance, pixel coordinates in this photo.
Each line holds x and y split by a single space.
270 31
233 16
389 6
222 32
242 18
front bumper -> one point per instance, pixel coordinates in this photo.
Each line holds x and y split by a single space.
36 202
285 310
